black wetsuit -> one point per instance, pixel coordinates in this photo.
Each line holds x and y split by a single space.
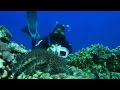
53 39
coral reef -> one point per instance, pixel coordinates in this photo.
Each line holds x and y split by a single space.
5 35
75 73
7 54
38 59
100 60
94 62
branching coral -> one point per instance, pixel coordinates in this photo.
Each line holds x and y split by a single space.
38 59
74 73
97 58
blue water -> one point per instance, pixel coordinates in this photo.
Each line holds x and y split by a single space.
87 27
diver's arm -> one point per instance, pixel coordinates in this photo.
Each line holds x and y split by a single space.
42 43
33 43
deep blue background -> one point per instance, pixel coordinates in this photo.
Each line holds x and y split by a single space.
87 27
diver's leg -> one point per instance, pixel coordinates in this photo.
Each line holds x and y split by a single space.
33 43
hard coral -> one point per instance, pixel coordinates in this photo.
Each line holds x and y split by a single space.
7 56
38 59
14 47
3 46
5 35
95 56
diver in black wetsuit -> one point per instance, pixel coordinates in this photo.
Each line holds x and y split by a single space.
55 41
56 38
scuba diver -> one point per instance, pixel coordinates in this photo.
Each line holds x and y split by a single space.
55 41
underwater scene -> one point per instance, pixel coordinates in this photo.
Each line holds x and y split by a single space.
59 44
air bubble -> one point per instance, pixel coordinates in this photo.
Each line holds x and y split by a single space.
57 22
67 25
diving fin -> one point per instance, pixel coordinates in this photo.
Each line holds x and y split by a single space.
31 27
32 23
25 30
